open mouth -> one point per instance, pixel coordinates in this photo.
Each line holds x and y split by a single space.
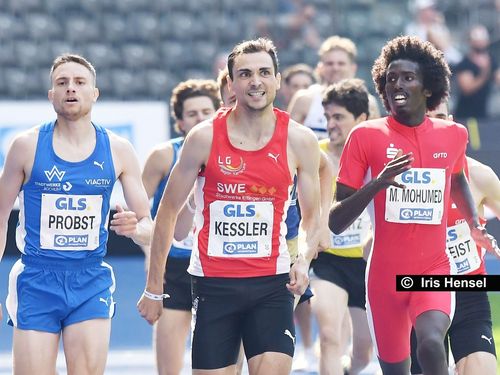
400 99
71 100
256 94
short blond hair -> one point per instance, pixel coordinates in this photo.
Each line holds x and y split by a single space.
338 42
72 57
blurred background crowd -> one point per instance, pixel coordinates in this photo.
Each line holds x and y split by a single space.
143 48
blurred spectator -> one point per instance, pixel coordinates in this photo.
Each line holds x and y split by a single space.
295 23
219 63
476 74
337 61
429 24
295 78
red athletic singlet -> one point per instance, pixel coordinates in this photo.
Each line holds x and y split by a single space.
243 197
409 225
467 256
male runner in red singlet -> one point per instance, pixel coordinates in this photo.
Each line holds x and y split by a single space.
470 334
243 162
404 167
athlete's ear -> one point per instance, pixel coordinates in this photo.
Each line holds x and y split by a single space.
96 94
361 117
278 79
50 95
180 125
427 93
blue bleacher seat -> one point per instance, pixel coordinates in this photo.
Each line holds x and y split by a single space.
102 55
160 83
144 26
11 27
42 26
23 6
30 54
139 56
114 27
82 29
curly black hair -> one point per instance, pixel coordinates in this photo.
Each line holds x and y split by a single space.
435 70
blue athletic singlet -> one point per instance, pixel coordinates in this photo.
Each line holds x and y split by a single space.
176 145
179 249
293 217
64 207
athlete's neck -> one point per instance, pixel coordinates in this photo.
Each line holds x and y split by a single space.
251 129
335 150
74 141
411 120
75 132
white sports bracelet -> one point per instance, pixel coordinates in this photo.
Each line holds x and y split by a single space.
155 297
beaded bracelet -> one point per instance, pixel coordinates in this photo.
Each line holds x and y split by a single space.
155 297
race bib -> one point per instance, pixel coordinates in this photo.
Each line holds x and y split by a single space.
240 229
422 202
462 248
70 222
354 236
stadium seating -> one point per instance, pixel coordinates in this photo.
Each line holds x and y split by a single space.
145 47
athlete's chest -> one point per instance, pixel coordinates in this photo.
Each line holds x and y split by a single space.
427 151
91 176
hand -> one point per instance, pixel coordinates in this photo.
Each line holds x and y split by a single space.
124 223
482 238
299 278
396 166
149 309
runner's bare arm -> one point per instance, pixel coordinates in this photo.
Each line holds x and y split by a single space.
304 158
485 183
195 153
135 222
299 106
185 218
349 203
157 165
18 163
461 195
326 197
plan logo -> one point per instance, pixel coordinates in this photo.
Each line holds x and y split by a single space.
54 172
243 247
422 214
463 266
